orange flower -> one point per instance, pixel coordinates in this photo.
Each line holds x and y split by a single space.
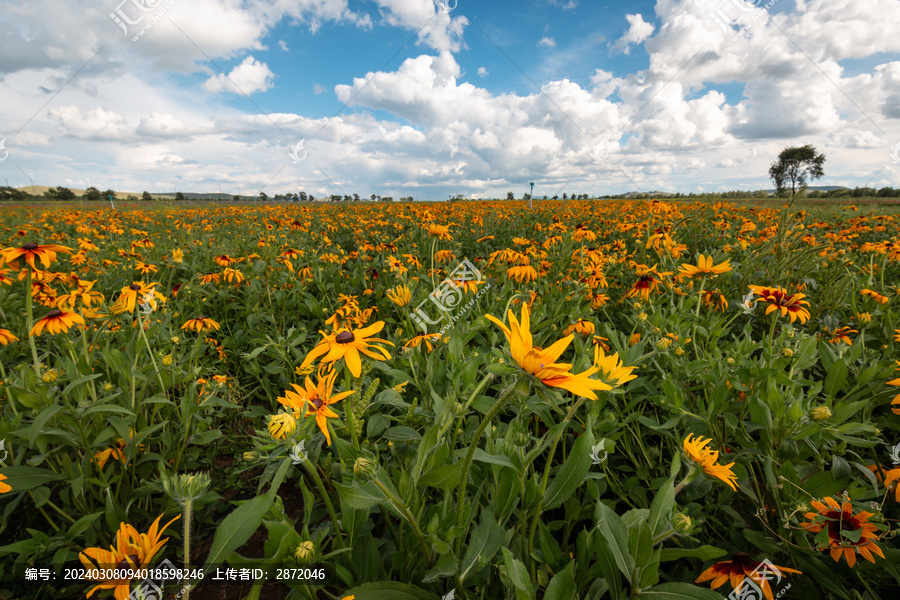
55 322
777 298
46 254
837 526
741 566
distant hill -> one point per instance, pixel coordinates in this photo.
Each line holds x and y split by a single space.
40 190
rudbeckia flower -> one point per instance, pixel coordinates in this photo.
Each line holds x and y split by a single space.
741 566
696 449
611 368
542 363
841 526
440 231
4 487
348 344
522 273
875 296
45 253
201 324
317 398
400 295
282 425
133 294
423 339
790 305
55 322
704 267
6 337
132 551
581 326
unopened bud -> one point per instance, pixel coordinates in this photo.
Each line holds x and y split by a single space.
364 468
305 552
820 413
682 523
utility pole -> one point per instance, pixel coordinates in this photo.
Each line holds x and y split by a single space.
530 194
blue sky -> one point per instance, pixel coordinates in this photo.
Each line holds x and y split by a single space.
407 98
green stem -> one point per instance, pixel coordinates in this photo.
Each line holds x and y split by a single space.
409 518
545 479
9 397
162 386
322 492
187 542
29 323
467 461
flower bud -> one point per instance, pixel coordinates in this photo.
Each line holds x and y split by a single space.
305 552
364 468
729 361
682 523
251 456
787 353
820 413
679 351
50 376
167 360
664 343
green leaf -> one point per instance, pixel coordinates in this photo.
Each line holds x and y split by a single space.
81 380
501 369
661 506
516 571
22 478
107 408
494 459
391 397
703 553
679 591
640 543
381 590
562 586
37 427
571 475
484 542
82 525
445 477
236 529
360 497
401 433
837 376
615 533
607 566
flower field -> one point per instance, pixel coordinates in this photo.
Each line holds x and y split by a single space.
470 400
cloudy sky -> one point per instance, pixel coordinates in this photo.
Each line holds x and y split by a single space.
430 98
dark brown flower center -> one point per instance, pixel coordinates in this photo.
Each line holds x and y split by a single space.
134 286
317 402
29 246
123 564
54 313
344 337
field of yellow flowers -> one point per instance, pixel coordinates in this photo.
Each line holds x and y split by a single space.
470 400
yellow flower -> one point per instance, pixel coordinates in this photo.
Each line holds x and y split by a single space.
282 425
581 326
611 368
201 324
6 337
696 449
820 413
704 267
634 339
55 322
46 254
542 363
317 399
177 256
132 551
50 376
400 295
347 344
